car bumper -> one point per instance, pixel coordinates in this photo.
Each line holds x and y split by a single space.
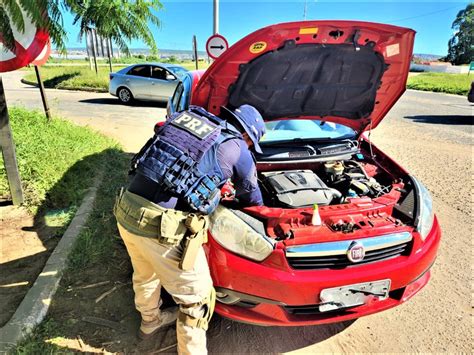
113 88
271 293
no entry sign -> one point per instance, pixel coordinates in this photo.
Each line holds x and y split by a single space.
216 45
28 46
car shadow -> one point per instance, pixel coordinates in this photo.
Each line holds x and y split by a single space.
443 119
116 102
226 336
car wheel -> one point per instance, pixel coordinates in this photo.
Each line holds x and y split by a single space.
125 96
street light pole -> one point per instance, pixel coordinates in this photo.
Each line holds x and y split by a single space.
216 16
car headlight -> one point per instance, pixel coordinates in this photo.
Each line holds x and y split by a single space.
424 213
235 235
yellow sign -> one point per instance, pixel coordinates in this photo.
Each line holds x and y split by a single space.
258 47
308 31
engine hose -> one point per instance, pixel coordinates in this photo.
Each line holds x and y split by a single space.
360 167
336 194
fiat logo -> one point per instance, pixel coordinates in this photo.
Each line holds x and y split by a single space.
356 252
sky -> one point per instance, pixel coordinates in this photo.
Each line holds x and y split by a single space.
180 20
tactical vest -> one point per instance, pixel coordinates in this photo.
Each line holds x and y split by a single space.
181 157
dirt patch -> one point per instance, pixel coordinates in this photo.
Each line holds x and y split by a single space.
25 247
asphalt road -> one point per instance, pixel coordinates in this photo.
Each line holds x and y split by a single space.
429 134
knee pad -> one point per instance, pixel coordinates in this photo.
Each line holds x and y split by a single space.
205 307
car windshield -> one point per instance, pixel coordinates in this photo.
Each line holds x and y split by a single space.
294 129
178 71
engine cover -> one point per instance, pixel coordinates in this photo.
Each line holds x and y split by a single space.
296 188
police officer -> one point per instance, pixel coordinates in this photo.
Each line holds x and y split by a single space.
163 214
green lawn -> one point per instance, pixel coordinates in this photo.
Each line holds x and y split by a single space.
57 160
440 82
73 77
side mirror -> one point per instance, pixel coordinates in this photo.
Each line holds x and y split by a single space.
170 77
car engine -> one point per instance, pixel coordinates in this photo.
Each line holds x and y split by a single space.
331 182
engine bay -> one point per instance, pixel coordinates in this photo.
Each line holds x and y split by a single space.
329 183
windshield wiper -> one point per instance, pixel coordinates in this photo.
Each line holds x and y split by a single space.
316 141
298 140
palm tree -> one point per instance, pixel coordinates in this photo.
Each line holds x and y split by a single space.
119 20
43 13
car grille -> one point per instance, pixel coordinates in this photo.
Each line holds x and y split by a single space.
338 259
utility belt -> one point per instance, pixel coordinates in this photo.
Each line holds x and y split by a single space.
170 227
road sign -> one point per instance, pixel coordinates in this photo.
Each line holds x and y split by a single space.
471 67
216 45
44 55
28 46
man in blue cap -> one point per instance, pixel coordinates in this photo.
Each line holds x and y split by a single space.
162 215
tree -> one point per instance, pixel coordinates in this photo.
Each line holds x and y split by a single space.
120 20
44 14
461 45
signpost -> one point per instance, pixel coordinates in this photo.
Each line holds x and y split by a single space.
31 45
216 45
195 51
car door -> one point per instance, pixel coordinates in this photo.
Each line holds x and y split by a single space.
138 80
163 83
181 96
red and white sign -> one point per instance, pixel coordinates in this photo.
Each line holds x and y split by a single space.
29 44
216 45
44 55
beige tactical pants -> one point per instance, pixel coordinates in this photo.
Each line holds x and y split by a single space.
156 265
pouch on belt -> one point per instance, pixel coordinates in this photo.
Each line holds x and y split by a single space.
197 229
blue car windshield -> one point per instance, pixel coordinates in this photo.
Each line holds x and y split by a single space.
294 129
178 71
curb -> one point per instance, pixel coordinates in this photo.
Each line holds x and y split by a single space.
87 89
34 307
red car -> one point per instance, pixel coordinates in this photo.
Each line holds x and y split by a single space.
345 231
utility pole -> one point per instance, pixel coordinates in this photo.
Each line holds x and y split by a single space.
305 9
195 51
216 16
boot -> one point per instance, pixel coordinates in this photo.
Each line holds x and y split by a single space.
167 317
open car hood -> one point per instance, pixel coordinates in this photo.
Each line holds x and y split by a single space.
346 72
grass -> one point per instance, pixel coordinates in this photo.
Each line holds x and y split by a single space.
80 77
97 243
34 343
57 160
96 240
73 78
458 84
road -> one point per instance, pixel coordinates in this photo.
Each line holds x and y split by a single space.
429 134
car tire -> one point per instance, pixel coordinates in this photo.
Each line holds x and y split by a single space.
125 96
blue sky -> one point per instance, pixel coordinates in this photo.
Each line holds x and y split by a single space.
181 19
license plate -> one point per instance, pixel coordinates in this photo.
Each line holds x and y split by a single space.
353 295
